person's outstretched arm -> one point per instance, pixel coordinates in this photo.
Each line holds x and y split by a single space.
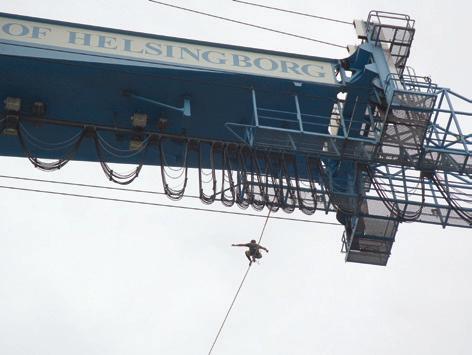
239 245
264 248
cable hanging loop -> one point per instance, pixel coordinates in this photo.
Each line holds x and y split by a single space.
119 178
55 165
401 214
177 192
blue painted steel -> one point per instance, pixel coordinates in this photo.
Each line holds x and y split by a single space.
92 90
379 130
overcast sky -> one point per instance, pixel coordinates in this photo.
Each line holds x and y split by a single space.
102 278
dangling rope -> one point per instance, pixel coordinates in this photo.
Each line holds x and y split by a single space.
239 289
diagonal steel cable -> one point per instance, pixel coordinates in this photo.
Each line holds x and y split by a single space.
246 23
237 292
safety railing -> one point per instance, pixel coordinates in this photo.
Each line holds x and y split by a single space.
393 32
332 134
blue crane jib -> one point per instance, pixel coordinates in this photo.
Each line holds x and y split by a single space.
364 137
102 46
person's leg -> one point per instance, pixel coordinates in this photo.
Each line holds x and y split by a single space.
248 255
258 255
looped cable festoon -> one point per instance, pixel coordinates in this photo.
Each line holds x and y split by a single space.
73 147
204 197
401 214
455 206
119 178
172 192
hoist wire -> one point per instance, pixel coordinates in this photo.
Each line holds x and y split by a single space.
229 310
239 289
264 227
246 24
295 12
112 199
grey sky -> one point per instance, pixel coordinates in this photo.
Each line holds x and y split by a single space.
93 277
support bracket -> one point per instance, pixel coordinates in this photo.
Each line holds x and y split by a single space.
185 109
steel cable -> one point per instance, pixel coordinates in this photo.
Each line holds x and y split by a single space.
246 24
239 289
112 199
294 12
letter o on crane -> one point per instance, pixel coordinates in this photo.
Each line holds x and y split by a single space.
15 29
266 64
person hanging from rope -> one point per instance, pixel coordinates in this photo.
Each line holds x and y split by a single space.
253 252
